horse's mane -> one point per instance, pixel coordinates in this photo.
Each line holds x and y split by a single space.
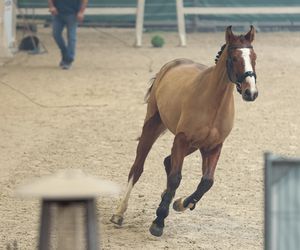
220 53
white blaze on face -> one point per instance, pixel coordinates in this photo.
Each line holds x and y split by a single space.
248 67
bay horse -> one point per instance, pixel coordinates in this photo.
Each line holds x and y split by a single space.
196 104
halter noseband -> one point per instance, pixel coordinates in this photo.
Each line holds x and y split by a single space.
229 65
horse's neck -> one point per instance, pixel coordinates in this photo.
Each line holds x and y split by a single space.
219 85
220 78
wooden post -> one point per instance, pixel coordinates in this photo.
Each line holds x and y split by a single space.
139 23
68 217
181 22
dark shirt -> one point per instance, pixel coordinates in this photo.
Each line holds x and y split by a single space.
67 7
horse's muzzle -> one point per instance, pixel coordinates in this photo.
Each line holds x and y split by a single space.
250 96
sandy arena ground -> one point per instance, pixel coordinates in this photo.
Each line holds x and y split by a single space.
90 116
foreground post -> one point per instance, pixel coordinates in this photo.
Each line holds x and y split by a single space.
282 202
68 213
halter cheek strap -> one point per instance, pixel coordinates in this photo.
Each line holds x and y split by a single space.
229 66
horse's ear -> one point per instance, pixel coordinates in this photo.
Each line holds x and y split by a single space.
229 35
250 35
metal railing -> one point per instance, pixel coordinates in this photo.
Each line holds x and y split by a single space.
282 203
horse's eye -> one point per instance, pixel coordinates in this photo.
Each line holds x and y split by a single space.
234 59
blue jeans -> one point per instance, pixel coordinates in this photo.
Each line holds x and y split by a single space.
67 49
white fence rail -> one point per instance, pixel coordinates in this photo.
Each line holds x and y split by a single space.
182 11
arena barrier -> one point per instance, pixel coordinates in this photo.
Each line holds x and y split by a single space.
182 11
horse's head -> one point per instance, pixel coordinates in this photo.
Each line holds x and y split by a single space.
241 63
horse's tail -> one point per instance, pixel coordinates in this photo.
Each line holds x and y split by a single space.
163 71
151 82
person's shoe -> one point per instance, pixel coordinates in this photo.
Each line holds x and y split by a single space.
61 63
66 65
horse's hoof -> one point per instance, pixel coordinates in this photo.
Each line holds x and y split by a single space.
178 205
156 230
117 219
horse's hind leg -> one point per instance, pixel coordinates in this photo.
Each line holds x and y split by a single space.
209 162
152 128
179 151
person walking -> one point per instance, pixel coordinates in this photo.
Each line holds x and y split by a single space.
66 13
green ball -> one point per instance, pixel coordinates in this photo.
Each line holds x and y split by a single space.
157 41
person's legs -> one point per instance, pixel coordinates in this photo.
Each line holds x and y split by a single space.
57 30
71 23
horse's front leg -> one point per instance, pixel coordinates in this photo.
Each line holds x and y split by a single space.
209 162
179 150
167 162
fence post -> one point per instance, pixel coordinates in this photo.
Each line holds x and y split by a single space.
68 215
7 28
3 43
139 23
10 23
181 22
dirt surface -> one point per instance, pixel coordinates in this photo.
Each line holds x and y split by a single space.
90 116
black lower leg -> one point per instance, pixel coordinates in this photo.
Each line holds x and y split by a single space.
163 209
203 187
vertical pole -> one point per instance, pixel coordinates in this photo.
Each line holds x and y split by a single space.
195 20
181 22
14 23
139 23
3 44
91 225
9 22
5 29
44 240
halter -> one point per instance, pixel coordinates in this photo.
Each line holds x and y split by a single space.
229 65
